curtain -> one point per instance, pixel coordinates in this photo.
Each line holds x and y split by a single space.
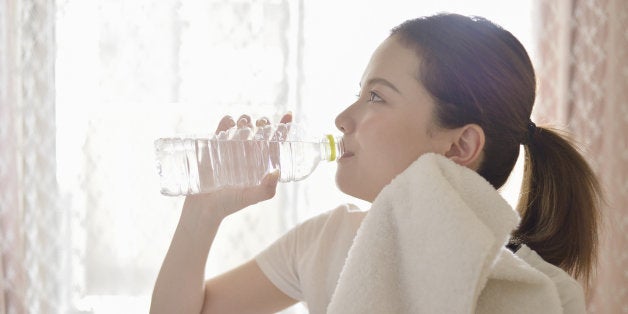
583 85
32 228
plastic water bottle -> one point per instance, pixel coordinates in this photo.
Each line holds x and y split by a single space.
239 158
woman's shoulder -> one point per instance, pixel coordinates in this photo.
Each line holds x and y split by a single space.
346 213
345 217
569 290
343 211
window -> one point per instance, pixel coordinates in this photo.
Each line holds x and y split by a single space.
128 72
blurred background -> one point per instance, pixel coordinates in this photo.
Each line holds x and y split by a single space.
86 86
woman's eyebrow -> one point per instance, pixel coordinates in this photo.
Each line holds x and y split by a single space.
379 80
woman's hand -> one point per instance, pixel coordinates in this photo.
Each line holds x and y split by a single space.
180 286
228 200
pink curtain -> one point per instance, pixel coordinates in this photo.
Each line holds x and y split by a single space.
583 86
12 272
31 258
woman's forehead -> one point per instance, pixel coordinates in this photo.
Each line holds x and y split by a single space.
394 62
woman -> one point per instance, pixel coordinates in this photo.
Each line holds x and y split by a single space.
447 84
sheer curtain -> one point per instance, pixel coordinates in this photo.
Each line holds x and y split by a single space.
32 224
87 85
583 72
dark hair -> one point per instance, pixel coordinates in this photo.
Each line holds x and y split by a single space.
479 73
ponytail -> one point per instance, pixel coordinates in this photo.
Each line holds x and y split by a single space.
558 204
479 73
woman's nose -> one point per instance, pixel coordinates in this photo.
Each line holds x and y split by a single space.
343 120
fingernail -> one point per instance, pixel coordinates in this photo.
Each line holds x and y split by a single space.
272 177
275 173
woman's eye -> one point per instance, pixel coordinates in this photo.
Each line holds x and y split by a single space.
375 98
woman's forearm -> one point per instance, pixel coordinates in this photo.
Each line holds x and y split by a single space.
180 284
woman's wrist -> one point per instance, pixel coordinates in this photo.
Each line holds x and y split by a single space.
199 216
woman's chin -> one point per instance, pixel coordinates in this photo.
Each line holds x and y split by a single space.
353 190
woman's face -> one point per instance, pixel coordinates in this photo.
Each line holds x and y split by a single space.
389 126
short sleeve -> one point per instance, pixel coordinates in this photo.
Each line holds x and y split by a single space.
306 262
279 263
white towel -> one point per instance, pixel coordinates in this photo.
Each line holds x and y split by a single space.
433 242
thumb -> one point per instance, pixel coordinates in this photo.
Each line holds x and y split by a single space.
264 191
234 199
269 183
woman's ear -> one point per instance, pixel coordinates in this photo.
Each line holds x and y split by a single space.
467 146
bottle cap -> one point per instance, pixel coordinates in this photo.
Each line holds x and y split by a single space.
332 145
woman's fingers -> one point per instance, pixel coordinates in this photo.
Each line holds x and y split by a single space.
244 126
281 133
225 124
245 121
264 129
262 122
229 200
287 118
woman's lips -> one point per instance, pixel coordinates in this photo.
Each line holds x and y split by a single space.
346 155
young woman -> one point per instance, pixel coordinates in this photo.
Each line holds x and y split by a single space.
448 84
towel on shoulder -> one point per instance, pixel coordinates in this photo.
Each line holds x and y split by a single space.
433 242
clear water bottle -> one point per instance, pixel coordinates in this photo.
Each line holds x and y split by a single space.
238 158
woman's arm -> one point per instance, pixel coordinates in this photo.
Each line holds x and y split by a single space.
244 290
180 286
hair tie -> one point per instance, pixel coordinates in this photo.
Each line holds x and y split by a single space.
531 131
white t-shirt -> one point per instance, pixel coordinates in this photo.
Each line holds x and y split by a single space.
306 262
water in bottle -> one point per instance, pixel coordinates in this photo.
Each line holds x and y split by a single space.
238 158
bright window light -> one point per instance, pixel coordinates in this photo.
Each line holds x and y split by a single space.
128 72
